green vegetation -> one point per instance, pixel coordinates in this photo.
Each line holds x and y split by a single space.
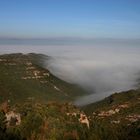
61 121
52 121
117 117
131 97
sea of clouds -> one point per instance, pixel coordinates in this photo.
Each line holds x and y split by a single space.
101 68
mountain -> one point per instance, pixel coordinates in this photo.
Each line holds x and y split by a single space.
36 105
23 77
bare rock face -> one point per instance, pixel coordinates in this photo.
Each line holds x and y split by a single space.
13 118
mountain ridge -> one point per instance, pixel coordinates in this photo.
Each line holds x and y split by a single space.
25 75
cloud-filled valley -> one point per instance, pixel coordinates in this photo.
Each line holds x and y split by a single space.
102 69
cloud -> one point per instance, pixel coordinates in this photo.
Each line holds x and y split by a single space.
102 68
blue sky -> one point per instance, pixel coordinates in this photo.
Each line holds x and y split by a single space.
70 18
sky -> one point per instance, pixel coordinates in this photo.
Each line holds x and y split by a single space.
70 19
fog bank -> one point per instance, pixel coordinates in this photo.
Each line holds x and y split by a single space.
102 68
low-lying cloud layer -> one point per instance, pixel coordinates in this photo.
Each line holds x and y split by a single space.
102 69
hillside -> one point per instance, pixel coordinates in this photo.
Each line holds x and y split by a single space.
131 97
24 77
114 118
118 114
35 121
